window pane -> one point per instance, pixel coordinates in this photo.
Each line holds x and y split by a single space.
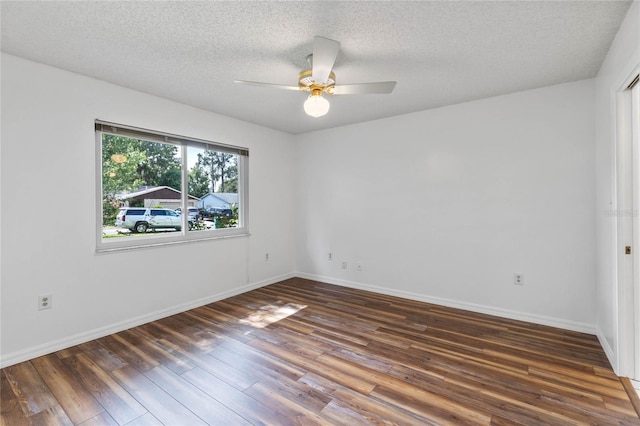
141 184
213 179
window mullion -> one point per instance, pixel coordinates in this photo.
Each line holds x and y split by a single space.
185 189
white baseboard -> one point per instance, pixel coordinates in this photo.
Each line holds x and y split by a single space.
489 310
608 350
56 345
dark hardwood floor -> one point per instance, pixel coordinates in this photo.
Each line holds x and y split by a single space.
302 352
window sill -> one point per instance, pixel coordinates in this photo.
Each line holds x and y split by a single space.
105 248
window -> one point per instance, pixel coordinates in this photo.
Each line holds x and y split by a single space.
141 176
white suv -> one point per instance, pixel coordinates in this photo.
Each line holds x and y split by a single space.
139 219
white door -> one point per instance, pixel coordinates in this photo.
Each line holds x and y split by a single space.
628 231
635 137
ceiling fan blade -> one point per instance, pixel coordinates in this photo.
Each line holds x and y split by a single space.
380 87
267 85
325 52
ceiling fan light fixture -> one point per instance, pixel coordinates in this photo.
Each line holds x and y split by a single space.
316 105
321 78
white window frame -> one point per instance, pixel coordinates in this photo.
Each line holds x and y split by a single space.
184 235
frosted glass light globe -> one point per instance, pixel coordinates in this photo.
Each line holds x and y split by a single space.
316 106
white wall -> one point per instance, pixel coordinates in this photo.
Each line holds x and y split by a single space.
623 57
445 205
48 222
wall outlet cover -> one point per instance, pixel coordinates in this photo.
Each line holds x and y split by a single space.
45 301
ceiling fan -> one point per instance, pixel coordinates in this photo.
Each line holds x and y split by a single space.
320 78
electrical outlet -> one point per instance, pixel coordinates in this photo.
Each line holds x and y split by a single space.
359 266
329 256
45 302
518 278
266 257
344 264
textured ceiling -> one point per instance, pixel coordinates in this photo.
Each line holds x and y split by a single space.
440 53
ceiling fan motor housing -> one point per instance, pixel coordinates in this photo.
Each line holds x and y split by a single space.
307 83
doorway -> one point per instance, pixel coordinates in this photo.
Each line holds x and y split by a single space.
628 227
634 88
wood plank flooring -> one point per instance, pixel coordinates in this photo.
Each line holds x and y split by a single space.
303 352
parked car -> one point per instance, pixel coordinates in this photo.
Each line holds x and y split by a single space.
193 213
216 211
139 219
